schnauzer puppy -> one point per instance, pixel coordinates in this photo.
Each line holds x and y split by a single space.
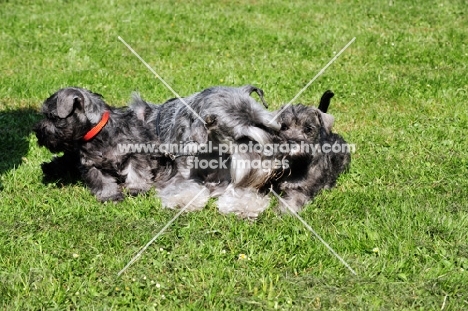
218 117
318 156
80 124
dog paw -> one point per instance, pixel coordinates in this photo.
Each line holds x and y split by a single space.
293 203
136 191
290 186
64 168
245 203
111 198
110 192
49 170
179 195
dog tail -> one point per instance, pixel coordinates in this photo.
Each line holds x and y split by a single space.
250 89
325 101
139 106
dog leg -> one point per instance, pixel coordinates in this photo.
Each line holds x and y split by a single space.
137 179
104 187
293 199
64 166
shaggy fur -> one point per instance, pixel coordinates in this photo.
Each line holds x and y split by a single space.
216 117
229 116
232 116
314 169
69 114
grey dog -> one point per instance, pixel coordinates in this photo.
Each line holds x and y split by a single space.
216 116
79 123
313 160
318 158
231 116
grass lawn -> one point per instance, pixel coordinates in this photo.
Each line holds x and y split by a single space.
399 217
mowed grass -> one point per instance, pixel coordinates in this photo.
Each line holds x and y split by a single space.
399 217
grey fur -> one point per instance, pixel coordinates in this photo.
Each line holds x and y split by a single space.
309 172
69 114
230 116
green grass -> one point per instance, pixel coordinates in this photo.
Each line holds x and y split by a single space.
399 217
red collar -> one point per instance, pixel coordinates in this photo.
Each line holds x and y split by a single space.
95 130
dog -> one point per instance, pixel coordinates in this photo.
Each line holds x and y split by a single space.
317 155
88 131
218 116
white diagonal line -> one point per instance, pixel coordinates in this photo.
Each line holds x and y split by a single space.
161 79
313 79
314 233
135 258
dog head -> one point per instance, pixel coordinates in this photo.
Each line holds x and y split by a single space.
69 114
302 123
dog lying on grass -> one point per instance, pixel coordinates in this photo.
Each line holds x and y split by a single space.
318 155
80 124
220 118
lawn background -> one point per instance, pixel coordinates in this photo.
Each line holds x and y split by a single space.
399 217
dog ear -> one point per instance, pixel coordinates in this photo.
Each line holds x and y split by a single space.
327 121
66 101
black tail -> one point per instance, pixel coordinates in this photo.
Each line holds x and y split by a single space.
325 101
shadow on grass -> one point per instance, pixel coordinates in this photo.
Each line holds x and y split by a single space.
15 128
62 170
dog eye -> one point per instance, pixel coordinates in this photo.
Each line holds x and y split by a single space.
284 127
